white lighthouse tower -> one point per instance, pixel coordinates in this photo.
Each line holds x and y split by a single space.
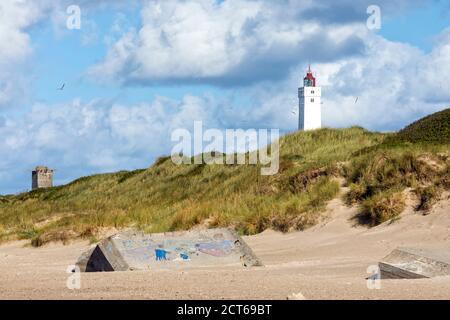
310 115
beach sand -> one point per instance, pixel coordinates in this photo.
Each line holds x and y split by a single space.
328 261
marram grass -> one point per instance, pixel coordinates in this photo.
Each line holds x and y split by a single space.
167 197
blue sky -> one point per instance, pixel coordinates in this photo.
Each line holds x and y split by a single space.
418 26
135 72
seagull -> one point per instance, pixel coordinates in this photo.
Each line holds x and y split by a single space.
62 87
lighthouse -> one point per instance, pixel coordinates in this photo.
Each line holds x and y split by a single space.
310 115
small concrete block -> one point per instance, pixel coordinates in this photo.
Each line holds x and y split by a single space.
410 263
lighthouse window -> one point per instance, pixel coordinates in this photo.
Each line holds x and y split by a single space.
312 99
312 91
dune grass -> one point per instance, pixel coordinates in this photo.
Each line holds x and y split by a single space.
378 178
382 207
434 128
167 197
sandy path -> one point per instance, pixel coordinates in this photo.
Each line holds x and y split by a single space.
328 261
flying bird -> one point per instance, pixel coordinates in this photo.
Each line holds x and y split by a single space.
62 87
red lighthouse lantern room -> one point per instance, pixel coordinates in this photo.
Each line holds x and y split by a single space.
309 80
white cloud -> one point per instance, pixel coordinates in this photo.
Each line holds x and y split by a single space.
395 84
434 81
226 43
17 17
15 47
239 42
80 138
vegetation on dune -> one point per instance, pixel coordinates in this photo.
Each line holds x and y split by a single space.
169 197
407 159
427 197
166 197
434 128
381 207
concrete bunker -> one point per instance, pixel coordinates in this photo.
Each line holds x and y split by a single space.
133 250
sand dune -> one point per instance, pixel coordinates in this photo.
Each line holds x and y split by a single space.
328 261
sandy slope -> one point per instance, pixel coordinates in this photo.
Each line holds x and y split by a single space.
328 261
